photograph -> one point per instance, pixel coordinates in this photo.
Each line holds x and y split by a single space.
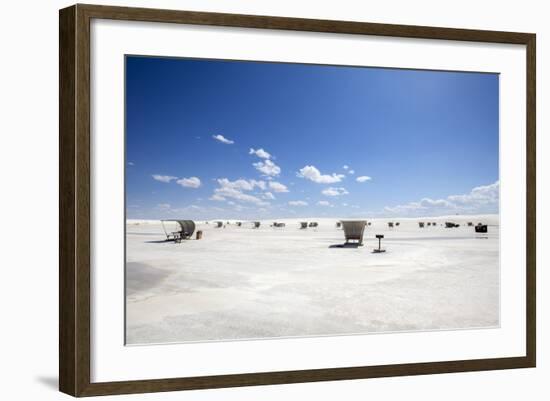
271 200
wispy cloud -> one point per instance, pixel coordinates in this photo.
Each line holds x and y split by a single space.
278 187
298 203
324 203
260 153
363 178
268 195
313 174
345 167
351 172
267 168
331 191
164 178
222 139
130 163
482 199
191 182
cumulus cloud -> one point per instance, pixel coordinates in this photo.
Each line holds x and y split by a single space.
221 194
222 139
482 199
313 174
298 203
164 178
267 168
241 184
217 197
351 172
191 182
234 190
482 195
427 202
268 195
277 186
331 191
260 153
363 178
324 203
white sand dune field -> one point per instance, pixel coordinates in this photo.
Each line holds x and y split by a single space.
244 283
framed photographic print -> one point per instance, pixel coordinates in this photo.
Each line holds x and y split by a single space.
250 200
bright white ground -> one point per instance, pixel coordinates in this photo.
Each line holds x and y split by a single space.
242 283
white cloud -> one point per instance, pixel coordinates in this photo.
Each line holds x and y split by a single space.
267 168
345 167
217 197
234 190
351 172
164 178
130 163
241 184
427 202
363 178
277 186
324 203
268 195
313 174
331 191
482 195
222 139
260 153
298 203
221 194
191 182
482 199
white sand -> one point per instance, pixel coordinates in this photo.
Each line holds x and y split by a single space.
242 283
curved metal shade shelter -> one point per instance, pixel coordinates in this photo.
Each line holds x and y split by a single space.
187 228
353 230
481 228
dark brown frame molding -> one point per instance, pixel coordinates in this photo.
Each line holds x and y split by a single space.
74 199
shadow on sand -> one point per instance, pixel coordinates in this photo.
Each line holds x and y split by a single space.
345 246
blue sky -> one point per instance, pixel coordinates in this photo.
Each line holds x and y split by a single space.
227 139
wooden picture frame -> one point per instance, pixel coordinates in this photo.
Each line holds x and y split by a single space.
74 201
